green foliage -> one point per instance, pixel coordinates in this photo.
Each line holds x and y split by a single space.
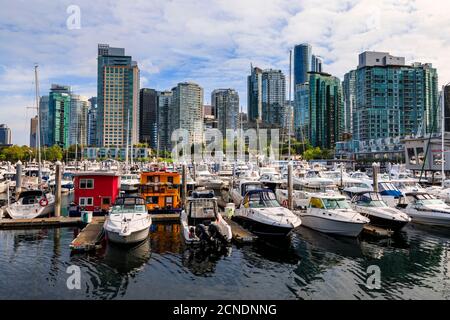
15 153
53 153
317 153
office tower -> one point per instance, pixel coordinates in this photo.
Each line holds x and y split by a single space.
302 63
349 90
316 63
148 117
79 109
266 96
394 99
164 133
5 135
326 110
446 92
44 121
117 98
186 111
59 116
208 110
254 95
287 118
33 132
92 122
225 105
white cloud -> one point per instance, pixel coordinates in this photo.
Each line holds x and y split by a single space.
210 42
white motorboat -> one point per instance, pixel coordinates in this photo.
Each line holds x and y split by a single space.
129 182
237 194
204 178
4 185
423 208
31 204
371 205
261 213
331 213
201 221
128 221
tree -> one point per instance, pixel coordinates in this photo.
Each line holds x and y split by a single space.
53 153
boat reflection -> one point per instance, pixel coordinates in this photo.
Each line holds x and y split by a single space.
202 260
127 260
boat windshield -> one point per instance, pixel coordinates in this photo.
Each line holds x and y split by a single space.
203 208
430 202
129 208
262 200
335 204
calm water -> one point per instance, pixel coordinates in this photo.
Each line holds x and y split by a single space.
311 265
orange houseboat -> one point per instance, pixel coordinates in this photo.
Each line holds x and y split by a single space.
161 191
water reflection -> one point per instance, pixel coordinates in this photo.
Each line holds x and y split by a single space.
127 260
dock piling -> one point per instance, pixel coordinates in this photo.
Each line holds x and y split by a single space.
18 178
375 169
290 186
184 177
58 189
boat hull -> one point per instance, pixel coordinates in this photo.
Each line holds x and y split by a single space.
341 228
441 220
394 225
133 238
262 229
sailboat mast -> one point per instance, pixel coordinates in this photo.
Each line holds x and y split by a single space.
289 118
38 127
128 140
443 137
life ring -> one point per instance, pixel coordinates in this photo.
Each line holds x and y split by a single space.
43 202
285 203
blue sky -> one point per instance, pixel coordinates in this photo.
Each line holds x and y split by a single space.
211 42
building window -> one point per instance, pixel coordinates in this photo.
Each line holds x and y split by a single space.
86 202
151 200
86 183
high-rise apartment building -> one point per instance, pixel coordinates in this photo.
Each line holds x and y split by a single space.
79 112
117 98
44 121
33 131
446 93
302 63
394 99
186 111
59 107
349 89
254 95
92 122
225 105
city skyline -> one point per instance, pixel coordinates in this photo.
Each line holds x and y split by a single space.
181 41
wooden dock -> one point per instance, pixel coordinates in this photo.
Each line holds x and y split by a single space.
377 231
90 238
240 234
39 223
165 217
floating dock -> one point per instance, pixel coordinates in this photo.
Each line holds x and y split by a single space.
90 238
165 217
39 223
240 234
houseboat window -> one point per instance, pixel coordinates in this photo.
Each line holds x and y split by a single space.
86 201
106 201
86 183
169 201
151 200
170 179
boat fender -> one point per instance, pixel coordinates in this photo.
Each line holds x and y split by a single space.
43 202
285 203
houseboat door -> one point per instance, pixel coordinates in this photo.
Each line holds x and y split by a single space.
106 203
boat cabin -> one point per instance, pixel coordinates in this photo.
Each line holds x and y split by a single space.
95 191
202 208
161 191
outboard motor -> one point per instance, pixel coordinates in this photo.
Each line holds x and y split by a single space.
201 231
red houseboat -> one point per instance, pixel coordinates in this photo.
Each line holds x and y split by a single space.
95 192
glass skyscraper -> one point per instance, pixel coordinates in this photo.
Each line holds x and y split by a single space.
148 117
302 63
59 106
225 103
164 133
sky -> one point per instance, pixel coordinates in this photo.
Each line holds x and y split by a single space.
210 42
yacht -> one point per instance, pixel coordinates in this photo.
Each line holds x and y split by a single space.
31 204
262 214
129 182
371 205
332 213
423 208
128 221
201 221
238 193
204 178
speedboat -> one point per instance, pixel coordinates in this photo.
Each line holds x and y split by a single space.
128 221
371 205
31 204
201 221
238 193
205 178
332 213
261 213
129 182
423 208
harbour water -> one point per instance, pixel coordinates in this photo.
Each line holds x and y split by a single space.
310 265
